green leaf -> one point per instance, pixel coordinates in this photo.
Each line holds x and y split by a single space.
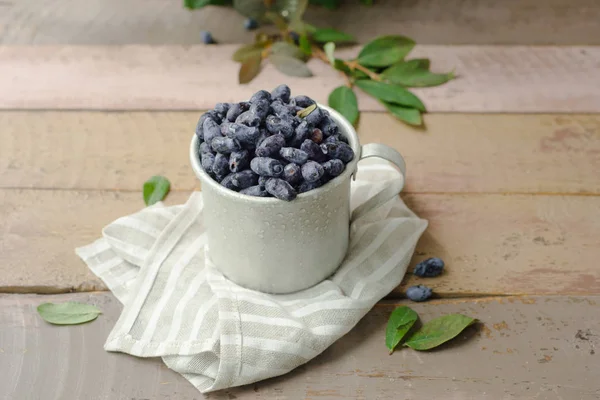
331 35
196 4
390 93
439 331
287 49
329 50
250 8
289 65
277 19
400 322
305 44
409 74
344 101
385 50
249 69
341 66
411 116
70 313
156 189
305 111
330 4
247 51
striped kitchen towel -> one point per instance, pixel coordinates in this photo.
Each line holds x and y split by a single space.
218 334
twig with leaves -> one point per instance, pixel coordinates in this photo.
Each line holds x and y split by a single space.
380 70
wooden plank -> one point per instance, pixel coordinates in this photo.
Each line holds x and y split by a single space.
457 153
519 351
492 244
429 21
492 78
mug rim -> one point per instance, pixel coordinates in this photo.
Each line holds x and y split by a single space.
343 124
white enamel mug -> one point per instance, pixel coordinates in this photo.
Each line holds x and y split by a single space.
275 246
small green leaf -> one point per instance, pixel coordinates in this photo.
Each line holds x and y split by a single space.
340 65
390 93
409 74
156 189
385 50
400 322
70 313
439 331
277 20
247 51
305 44
251 8
287 49
289 65
329 50
196 4
305 111
331 35
411 116
344 101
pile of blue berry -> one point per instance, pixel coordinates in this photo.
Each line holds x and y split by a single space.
272 145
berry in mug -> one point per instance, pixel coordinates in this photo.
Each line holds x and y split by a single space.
272 145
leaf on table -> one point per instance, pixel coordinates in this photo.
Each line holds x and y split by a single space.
390 93
439 331
385 50
69 313
411 116
304 44
343 100
196 4
400 322
305 111
251 8
289 65
287 49
247 51
411 75
329 48
156 189
331 35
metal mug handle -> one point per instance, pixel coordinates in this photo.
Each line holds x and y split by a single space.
390 191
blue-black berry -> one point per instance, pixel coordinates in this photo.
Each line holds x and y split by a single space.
224 144
283 125
279 108
292 173
257 190
236 109
248 118
270 146
328 126
206 37
208 159
228 182
302 101
313 150
280 189
429 268
221 109
239 161
312 171
242 133
339 150
314 118
293 155
260 108
250 24
261 95
301 133
281 92
211 130
262 180
265 166
244 179
334 167
418 293
220 166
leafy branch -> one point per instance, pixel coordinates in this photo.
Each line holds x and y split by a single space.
381 69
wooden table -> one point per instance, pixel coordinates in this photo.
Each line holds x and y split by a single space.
507 173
